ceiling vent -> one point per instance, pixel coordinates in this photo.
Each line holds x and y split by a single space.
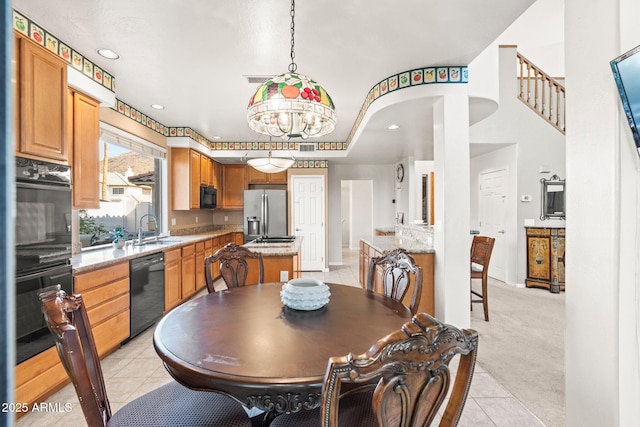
256 79
307 147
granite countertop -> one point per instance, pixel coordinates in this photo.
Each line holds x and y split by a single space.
103 257
276 249
388 243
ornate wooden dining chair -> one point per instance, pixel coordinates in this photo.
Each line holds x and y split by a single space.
481 249
406 376
397 267
169 405
233 266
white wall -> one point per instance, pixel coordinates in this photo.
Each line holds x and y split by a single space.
602 322
361 212
538 143
383 194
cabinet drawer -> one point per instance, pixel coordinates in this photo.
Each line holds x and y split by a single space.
199 246
172 256
85 281
110 308
104 293
208 244
39 376
188 250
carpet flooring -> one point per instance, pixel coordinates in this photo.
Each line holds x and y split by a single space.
522 346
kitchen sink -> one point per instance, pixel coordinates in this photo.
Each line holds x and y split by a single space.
158 242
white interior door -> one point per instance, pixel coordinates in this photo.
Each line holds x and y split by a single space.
492 216
308 219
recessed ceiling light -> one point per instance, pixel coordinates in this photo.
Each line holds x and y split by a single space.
216 137
392 127
157 106
108 53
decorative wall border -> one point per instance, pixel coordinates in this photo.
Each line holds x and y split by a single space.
311 164
411 78
44 38
402 80
138 116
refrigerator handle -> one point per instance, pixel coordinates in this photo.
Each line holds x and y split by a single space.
265 206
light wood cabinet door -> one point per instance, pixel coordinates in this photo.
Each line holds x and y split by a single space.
188 271
42 103
254 176
194 185
172 279
185 179
234 182
278 178
85 112
200 280
205 163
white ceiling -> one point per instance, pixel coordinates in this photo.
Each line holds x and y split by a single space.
193 56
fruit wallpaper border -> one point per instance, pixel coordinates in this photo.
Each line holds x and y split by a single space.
438 74
44 38
402 80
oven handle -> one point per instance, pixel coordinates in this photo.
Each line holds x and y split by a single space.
20 184
41 272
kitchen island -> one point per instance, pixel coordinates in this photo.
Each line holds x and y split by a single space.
423 256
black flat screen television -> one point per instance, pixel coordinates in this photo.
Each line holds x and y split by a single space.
626 72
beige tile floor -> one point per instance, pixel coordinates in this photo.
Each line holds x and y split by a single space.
136 369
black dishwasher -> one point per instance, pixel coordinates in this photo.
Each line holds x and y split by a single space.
146 275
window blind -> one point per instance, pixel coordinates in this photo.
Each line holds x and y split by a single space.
114 135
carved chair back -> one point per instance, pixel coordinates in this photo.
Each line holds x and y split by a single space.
67 319
397 267
233 266
411 367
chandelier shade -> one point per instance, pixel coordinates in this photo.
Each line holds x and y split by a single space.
291 105
270 164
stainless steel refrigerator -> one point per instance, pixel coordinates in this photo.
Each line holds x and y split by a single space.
265 214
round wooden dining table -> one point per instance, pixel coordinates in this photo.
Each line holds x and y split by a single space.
245 343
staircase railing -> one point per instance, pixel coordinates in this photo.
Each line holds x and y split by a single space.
542 93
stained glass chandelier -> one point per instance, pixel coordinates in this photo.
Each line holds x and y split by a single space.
291 105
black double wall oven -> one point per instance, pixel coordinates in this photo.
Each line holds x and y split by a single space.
43 247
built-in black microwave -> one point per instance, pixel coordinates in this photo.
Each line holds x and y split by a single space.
208 197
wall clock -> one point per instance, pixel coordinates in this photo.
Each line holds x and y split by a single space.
399 172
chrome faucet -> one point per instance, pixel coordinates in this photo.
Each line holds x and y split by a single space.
140 226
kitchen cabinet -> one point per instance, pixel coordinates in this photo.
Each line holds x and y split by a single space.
200 280
188 271
172 279
205 169
84 135
234 182
545 258
41 102
185 179
105 293
424 260
254 176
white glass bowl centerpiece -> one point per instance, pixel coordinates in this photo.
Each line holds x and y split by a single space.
305 294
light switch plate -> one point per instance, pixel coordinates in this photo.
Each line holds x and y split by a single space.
284 276
526 198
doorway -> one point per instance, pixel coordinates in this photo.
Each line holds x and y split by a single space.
492 217
308 219
357 212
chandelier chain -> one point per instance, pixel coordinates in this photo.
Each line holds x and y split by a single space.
293 66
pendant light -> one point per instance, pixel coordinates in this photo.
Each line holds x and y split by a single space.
270 164
291 105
